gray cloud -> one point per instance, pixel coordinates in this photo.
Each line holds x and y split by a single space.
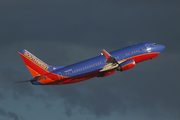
122 92
126 21
8 114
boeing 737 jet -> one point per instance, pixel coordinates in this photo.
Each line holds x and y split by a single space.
100 66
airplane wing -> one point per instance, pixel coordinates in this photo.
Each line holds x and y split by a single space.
111 62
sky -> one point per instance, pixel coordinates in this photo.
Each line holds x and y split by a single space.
63 32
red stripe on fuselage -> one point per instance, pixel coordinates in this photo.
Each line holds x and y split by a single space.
143 57
76 78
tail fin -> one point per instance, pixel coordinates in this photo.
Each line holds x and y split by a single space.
35 65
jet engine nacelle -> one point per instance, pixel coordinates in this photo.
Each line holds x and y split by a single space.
127 64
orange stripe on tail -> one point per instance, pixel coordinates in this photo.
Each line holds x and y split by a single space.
35 65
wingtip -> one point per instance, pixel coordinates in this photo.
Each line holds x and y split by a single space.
107 55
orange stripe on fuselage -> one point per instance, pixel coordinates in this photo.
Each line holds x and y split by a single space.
75 79
55 76
46 80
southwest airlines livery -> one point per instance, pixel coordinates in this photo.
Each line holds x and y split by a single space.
100 66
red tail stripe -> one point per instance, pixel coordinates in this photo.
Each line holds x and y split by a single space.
33 65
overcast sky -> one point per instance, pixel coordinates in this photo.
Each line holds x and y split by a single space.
63 32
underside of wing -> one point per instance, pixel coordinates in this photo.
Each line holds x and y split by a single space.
111 63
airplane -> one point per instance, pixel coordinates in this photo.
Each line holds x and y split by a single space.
100 66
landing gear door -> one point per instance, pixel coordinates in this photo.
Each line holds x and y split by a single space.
148 48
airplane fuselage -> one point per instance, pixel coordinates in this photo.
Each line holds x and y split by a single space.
101 66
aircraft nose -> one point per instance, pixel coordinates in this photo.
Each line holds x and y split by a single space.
161 47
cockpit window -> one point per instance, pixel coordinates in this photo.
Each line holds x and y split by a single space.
155 44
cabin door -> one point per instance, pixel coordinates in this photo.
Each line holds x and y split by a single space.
60 76
148 47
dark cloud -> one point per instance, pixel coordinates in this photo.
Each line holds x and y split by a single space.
68 111
146 88
8 79
9 114
83 21
2 97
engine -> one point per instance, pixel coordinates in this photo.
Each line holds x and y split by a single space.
127 64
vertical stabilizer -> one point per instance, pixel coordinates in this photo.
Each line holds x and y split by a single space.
34 64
